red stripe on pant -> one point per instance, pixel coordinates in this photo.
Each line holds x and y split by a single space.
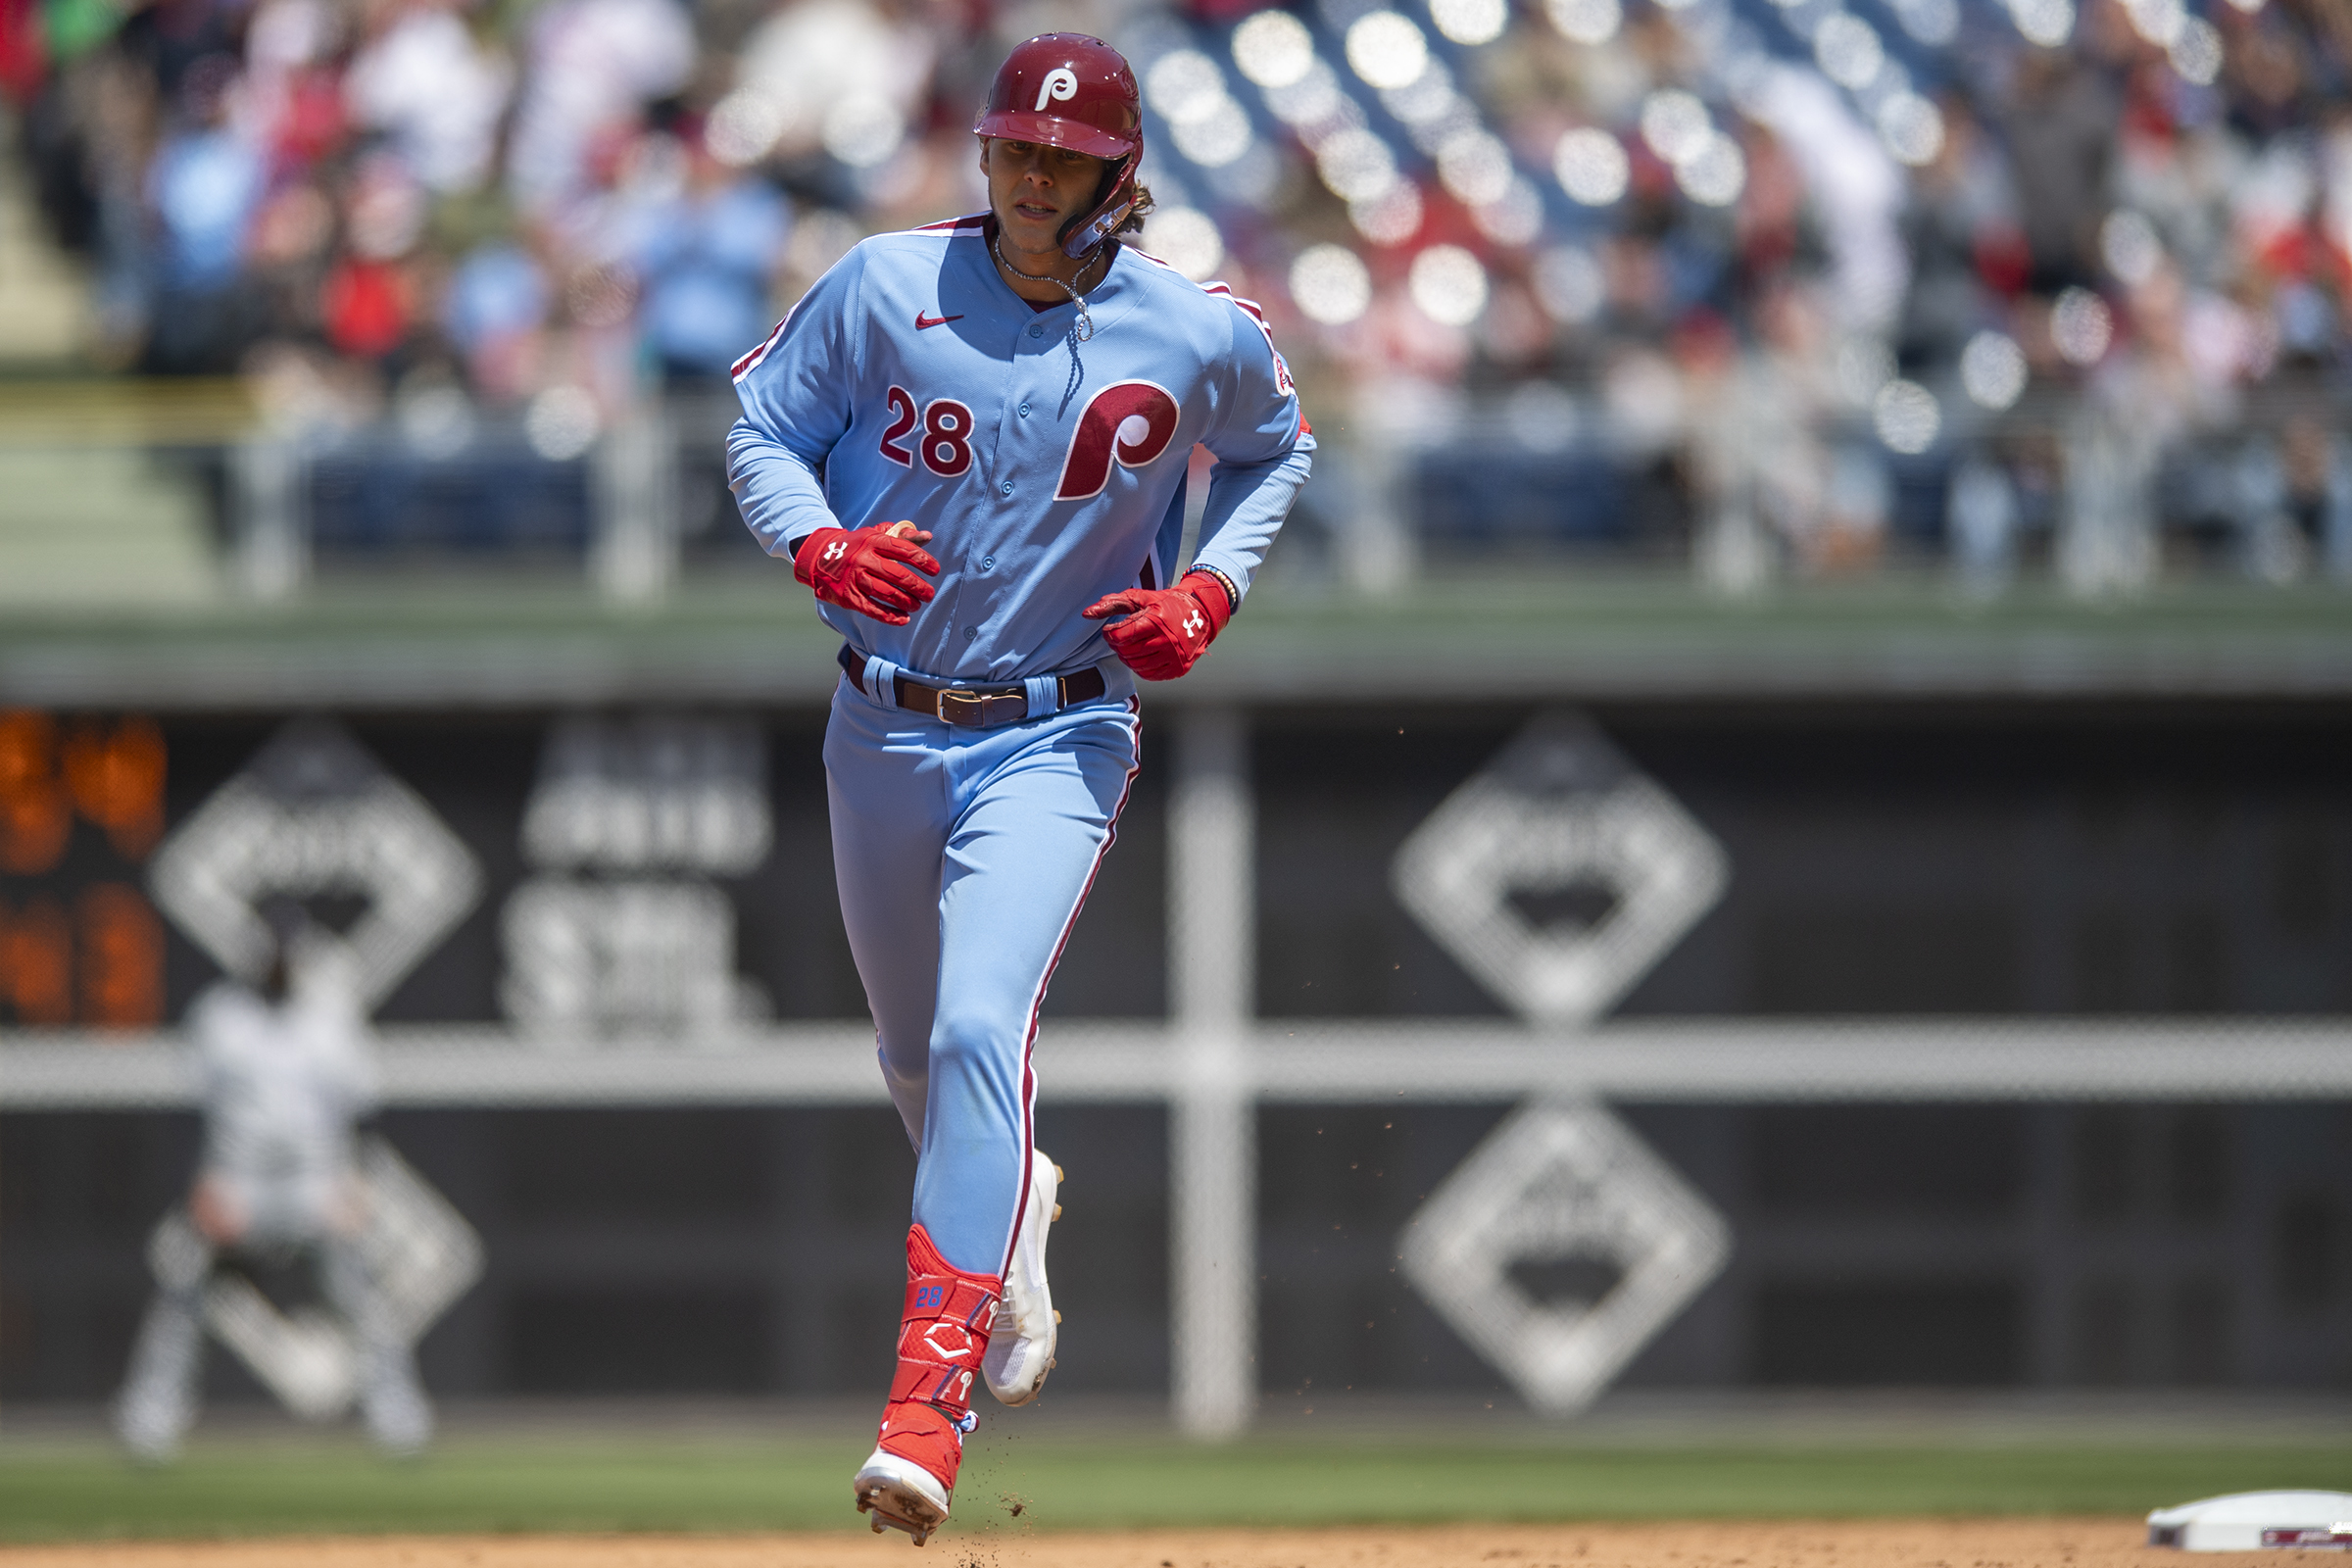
1037 1002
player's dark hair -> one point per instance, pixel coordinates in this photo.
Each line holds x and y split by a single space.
1144 204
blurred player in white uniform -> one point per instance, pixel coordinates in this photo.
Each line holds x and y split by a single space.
286 1075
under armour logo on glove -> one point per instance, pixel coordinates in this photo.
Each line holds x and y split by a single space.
1166 630
871 570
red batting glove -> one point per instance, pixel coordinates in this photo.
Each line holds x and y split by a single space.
866 570
1167 629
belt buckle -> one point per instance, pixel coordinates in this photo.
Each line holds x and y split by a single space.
963 708
972 709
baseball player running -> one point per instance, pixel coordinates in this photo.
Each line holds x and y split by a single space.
970 439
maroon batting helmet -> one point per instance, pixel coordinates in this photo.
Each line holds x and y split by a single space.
1065 89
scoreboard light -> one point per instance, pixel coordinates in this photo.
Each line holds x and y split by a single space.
82 808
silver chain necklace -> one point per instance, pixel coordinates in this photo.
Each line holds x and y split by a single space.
1084 331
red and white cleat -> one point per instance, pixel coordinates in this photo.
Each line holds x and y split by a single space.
1020 1349
901 1494
909 1479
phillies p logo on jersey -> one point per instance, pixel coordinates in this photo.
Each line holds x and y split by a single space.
1129 423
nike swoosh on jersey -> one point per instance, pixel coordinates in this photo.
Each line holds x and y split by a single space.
921 320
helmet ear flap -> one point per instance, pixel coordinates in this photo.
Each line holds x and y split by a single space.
1117 197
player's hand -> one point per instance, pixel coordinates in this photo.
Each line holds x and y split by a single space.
1166 630
872 569
215 1212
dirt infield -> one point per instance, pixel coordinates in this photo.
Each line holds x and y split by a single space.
1843 1543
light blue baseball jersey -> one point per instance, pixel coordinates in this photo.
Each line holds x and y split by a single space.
911 382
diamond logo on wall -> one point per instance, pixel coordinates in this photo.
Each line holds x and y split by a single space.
314 814
1559 812
1564 1185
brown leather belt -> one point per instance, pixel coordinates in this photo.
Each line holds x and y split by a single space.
974 707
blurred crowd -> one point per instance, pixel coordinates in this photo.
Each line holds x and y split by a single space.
1833 272
415 207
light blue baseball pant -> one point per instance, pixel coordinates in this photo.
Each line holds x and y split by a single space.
962 857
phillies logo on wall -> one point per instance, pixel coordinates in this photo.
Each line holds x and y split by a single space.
1127 422
1059 86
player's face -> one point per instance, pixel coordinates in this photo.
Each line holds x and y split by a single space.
1035 191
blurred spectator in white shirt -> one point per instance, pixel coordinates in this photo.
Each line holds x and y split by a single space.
592 66
842 77
438 94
